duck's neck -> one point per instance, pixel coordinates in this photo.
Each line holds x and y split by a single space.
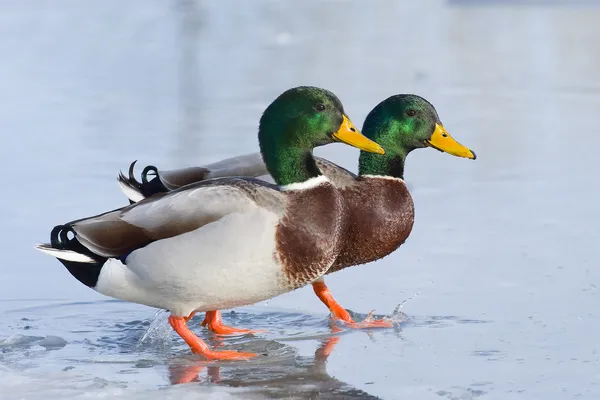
389 164
291 165
383 130
382 165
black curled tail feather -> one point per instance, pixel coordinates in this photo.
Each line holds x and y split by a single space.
85 272
59 239
145 171
153 186
146 187
55 236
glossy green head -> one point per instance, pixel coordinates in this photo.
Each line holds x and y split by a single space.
297 121
402 123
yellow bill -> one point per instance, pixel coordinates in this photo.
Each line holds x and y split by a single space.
350 135
442 141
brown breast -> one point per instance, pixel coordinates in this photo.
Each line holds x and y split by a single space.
308 236
380 214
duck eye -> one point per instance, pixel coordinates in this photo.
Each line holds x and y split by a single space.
320 107
411 112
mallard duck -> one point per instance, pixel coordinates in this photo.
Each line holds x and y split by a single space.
225 242
380 207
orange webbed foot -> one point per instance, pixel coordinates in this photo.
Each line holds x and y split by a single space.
199 347
369 322
322 291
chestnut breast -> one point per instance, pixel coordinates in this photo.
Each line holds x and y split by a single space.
380 216
308 235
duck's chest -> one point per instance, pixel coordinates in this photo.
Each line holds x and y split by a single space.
308 235
379 218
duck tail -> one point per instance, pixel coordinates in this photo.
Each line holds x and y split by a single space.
136 190
82 263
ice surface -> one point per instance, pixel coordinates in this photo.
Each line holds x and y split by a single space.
502 257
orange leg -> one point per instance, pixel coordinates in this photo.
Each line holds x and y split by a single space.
199 347
214 322
187 319
323 293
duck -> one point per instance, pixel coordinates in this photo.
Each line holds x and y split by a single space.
379 206
226 242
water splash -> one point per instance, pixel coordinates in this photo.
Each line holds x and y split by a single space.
158 333
395 318
398 316
403 303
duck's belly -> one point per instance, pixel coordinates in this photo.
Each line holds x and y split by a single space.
224 264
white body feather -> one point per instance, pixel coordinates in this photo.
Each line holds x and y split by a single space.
224 264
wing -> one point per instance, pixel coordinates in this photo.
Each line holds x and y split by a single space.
339 176
119 232
248 165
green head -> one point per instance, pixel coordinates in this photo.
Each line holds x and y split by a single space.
402 123
299 120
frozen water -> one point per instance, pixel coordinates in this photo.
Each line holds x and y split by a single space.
502 259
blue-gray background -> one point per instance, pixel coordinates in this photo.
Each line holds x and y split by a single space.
500 271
